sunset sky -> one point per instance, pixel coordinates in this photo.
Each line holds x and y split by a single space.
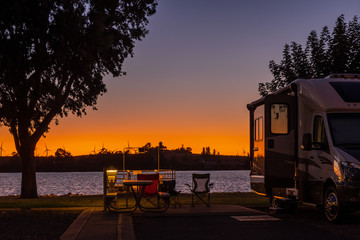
192 76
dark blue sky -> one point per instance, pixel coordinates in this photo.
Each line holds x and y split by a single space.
192 76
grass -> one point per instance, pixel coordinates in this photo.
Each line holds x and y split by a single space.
52 202
97 200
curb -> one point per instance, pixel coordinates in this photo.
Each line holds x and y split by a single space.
43 209
75 228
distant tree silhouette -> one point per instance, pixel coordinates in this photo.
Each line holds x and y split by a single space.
161 146
203 151
104 151
208 152
337 52
62 154
53 57
145 148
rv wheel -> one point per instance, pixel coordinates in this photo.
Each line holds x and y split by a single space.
276 203
331 205
284 204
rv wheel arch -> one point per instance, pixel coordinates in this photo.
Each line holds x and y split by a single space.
328 182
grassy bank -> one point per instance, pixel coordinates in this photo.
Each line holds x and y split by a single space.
52 202
97 200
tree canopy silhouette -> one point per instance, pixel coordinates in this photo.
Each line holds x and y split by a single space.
61 153
336 52
53 57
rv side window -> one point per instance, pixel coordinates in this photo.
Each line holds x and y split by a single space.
279 118
259 129
319 136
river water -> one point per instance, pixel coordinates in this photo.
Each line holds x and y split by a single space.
91 183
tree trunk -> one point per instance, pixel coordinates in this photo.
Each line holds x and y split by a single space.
28 180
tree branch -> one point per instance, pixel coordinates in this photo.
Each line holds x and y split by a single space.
60 100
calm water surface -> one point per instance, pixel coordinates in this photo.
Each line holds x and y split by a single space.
90 183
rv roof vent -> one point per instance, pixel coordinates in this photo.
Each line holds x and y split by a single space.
344 75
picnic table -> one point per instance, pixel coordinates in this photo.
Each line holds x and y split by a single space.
119 189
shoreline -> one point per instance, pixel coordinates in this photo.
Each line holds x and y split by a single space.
179 160
186 170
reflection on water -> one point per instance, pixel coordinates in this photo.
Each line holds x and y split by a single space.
91 183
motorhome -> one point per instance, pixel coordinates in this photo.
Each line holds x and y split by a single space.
305 144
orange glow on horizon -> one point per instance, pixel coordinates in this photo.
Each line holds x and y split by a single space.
118 123
226 132
84 144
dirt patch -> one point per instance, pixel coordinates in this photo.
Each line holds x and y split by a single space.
34 224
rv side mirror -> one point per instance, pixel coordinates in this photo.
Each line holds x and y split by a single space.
306 142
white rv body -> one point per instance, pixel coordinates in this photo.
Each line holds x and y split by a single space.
305 142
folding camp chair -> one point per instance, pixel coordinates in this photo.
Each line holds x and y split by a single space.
151 195
200 189
169 187
151 190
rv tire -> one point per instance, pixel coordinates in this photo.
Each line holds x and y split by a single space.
332 209
276 203
284 204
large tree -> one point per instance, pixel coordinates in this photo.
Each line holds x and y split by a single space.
53 57
336 52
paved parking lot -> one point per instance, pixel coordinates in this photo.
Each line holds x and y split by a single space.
218 222
306 223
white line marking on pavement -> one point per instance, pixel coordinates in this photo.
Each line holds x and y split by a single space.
255 218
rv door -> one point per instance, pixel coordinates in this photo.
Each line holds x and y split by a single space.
280 123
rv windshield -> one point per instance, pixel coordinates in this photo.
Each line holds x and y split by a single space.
344 128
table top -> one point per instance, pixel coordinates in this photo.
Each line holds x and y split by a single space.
137 182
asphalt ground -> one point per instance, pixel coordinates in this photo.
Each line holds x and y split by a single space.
216 222
306 223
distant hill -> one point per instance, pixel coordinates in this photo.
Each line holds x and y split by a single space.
178 160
